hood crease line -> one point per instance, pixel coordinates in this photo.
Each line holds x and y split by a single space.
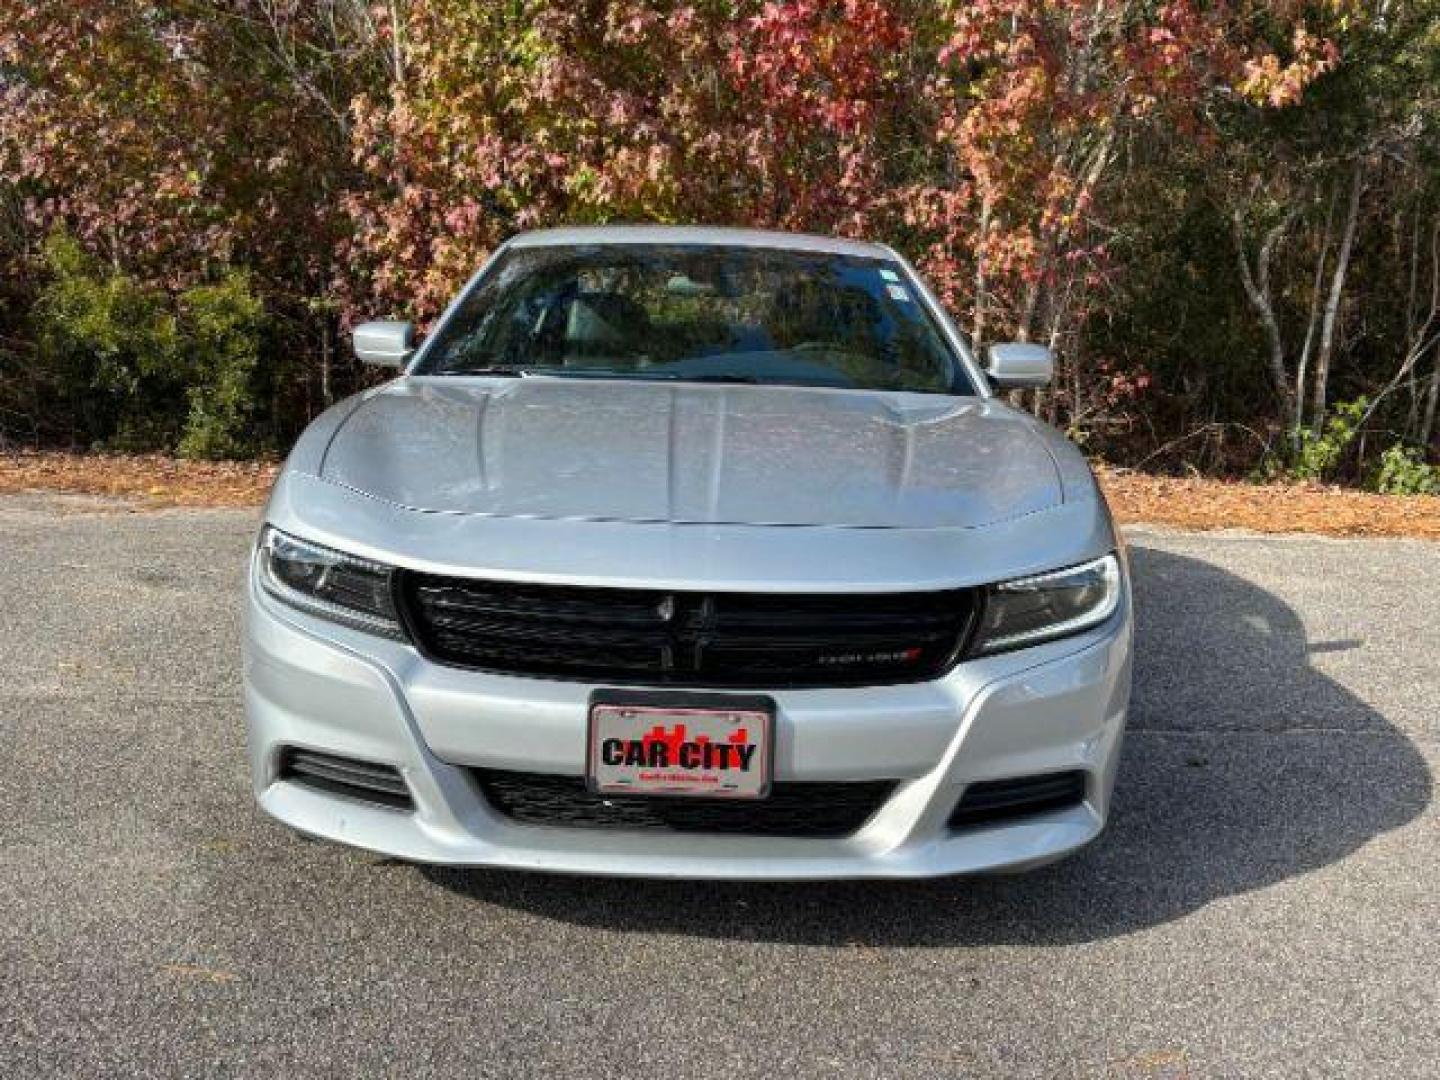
717 457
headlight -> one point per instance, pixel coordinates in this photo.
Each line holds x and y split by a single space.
1030 610
328 583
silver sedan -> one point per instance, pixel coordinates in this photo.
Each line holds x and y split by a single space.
690 553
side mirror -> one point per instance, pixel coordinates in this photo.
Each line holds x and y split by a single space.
384 344
1019 366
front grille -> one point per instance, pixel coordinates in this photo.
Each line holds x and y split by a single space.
1001 800
792 809
653 637
346 776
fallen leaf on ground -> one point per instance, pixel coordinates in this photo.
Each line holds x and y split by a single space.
152 480
1186 503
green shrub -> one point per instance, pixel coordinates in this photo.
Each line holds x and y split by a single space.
222 327
110 347
1403 471
1319 453
141 370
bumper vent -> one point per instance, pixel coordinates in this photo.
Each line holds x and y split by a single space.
1002 800
792 809
346 776
653 637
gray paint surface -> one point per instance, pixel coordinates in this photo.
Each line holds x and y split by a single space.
645 451
1265 901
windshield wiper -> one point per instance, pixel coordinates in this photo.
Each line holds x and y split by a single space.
736 380
499 371
513 372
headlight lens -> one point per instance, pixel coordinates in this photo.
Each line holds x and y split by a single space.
1030 610
328 583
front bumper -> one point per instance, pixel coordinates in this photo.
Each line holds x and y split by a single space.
314 685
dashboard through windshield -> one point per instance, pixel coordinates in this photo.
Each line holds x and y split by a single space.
698 313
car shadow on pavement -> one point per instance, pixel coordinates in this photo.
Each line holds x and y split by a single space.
1244 766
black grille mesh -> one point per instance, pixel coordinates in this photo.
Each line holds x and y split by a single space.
651 637
346 776
792 809
1000 800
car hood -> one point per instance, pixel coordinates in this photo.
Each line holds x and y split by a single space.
656 452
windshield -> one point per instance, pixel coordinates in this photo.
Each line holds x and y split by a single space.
698 313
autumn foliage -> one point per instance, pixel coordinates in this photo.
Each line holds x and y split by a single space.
361 158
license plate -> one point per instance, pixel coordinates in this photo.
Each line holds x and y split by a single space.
679 744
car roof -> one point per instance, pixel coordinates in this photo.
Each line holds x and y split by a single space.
697 234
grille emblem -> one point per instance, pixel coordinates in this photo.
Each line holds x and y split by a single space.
894 656
666 609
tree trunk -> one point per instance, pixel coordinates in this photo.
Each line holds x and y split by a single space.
1311 323
982 293
327 396
1432 399
1257 290
1412 413
1332 304
1419 339
397 43
1055 240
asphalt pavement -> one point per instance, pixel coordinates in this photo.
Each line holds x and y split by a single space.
1266 901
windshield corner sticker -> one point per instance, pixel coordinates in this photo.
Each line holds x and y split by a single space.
888 274
898 292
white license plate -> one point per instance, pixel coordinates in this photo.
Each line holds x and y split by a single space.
671 744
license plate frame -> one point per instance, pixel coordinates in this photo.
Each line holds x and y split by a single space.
625 715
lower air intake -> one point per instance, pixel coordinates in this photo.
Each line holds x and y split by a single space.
1003 800
337 775
792 809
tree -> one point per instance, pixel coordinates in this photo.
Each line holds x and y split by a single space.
1222 214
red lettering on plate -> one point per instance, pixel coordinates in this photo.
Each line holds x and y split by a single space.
671 739
700 753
